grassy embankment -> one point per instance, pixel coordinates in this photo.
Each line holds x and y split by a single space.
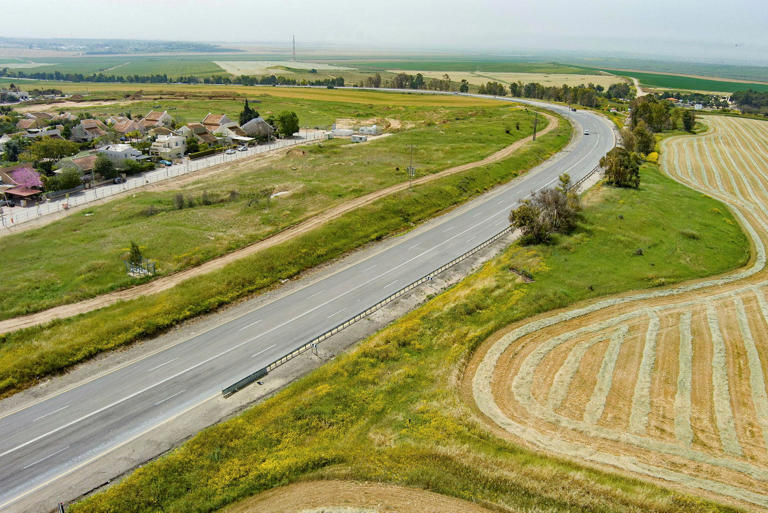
30 354
84 251
390 410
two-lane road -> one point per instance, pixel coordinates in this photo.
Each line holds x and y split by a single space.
55 435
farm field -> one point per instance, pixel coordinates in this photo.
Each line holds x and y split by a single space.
276 67
480 65
688 83
226 211
390 411
547 79
669 384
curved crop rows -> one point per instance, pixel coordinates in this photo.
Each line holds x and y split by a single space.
669 383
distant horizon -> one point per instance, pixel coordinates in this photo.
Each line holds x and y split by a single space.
393 52
688 30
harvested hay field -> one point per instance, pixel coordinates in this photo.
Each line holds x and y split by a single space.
668 384
547 79
352 497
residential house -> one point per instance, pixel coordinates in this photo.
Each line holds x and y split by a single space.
198 131
83 162
127 126
258 128
30 123
169 147
160 130
88 130
156 118
117 153
25 181
214 122
65 116
225 130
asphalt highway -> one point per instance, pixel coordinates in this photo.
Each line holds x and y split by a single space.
54 436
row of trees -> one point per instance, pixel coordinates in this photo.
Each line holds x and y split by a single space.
163 78
751 101
408 81
584 95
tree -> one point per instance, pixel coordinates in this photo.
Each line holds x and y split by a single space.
104 167
13 148
645 142
135 257
192 145
548 211
247 113
401 81
69 178
689 120
287 123
50 148
628 139
464 87
622 167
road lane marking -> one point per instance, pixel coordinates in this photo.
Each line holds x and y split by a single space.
254 355
162 364
335 314
51 413
369 268
126 398
47 457
249 325
390 283
169 398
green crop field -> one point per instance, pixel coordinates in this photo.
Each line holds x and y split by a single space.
392 409
688 83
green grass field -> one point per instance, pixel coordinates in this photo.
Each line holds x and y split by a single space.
84 251
662 81
391 411
28 355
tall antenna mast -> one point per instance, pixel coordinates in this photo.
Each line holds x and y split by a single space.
294 47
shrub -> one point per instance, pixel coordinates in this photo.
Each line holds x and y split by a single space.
622 168
547 212
178 201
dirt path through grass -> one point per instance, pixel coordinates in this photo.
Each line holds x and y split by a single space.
172 280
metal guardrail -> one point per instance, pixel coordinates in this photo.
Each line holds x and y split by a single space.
251 378
584 178
345 324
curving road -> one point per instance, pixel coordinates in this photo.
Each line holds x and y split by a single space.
54 436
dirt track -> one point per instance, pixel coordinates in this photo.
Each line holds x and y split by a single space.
668 384
352 497
167 282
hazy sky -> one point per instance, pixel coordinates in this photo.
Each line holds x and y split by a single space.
714 30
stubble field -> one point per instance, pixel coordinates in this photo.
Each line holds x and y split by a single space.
668 384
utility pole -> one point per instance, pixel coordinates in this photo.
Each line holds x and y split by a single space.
411 171
535 122
294 48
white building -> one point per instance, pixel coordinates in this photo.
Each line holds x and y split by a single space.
358 138
169 147
117 153
370 130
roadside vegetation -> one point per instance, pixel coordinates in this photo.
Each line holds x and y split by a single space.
30 354
181 226
392 411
